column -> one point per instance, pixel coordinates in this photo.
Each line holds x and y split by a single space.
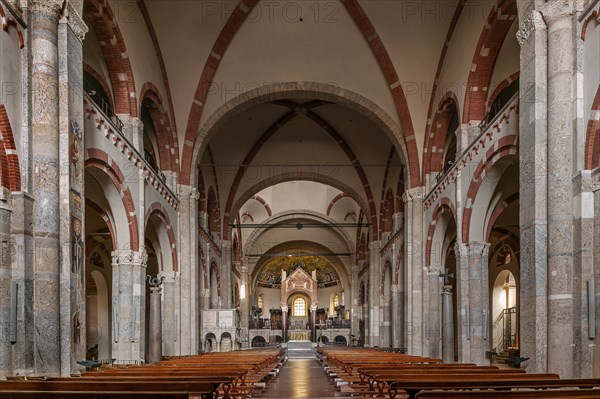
313 323
559 19
8 306
155 322
447 325
189 264
374 307
129 296
433 320
413 277
172 316
532 37
477 305
226 280
245 306
284 326
396 317
354 305
48 329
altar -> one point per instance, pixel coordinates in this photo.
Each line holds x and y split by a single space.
299 335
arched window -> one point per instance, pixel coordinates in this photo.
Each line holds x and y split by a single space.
299 306
261 301
336 301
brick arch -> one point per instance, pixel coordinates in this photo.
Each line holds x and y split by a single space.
101 16
264 203
498 209
593 17
486 54
10 172
98 159
10 22
104 215
100 79
501 86
507 146
274 128
592 145
435 140
334 201
233 24
443 206
156 209
166 136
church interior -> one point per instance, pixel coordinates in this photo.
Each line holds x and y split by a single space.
245 180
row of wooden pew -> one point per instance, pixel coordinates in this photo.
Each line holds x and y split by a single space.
375 373
227 375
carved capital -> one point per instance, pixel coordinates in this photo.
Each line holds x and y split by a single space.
557 8
534 21
52 8
416 193
75 21
447 289
195 194
476 248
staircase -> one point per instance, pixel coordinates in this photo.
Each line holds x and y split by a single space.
300 350
502 357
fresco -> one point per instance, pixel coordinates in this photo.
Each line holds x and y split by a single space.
270 274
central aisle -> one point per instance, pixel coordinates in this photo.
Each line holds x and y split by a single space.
301 378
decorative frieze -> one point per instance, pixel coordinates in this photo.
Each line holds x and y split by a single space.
126 256
75 21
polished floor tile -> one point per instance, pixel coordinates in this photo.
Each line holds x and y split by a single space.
301 378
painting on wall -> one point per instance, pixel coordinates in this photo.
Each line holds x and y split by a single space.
270 274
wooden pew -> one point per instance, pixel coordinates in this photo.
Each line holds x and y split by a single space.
545 394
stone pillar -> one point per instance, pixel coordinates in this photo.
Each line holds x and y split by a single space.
245 305
171 314
313 324
433 319
189 284
474 266
284 326
155 322
559 19
396 317
413 277
447 325
51 325
354 305
129 296
583 265
6 282
533 201
226 280
374 308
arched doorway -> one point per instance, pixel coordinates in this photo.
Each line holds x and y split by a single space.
97 317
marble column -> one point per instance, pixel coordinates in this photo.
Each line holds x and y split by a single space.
447 325
560 21
171 311
413 276
354 305
433 318
245 306
129 296
226 278
190 285
155 320
284 324
533 38
396 318
313 324
49 335
374 309
478 301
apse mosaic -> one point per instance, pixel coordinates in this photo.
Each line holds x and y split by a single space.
270 274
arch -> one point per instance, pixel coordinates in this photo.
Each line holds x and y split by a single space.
294 176
109 224
7 23
284 91
506 146
99 160
10 172
156 209
264 203
499 208
106 26
443 206
334 200
101 81
486 54
166 136
275 127
593 17
501 86
258 341
433 155
592 145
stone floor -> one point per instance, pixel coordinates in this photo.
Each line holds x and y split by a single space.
301 378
